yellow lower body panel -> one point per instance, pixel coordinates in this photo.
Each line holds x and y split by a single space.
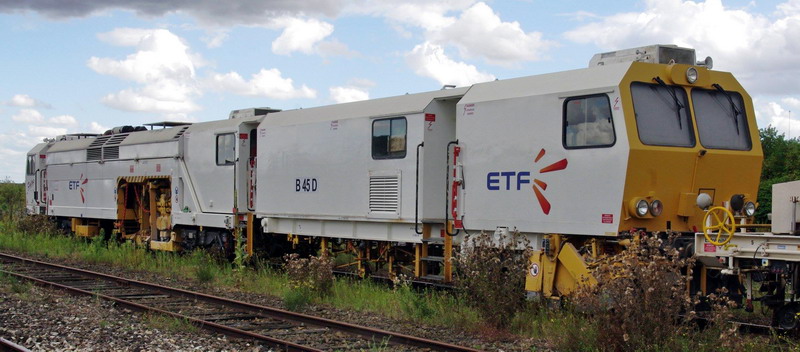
85 228
560 275
169 246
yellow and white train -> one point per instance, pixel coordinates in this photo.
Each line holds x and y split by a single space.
646 139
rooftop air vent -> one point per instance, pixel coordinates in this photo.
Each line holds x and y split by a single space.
658 54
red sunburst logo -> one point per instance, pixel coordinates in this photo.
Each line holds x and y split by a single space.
84 180
540 186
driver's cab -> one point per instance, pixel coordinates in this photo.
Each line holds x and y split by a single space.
36 180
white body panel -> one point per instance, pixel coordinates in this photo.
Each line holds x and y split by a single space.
503 126
785 214
88 189
330 148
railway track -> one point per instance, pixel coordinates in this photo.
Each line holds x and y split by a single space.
8 346
287 330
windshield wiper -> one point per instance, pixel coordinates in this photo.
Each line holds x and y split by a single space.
736 111
671 92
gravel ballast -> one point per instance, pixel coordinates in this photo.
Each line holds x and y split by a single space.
65 322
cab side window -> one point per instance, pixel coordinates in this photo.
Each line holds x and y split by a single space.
226 144
389 138
588 122
31 165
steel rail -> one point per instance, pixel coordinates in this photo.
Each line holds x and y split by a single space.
289 346
6 345
391 337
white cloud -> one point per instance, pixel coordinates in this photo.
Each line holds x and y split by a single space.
335 48
66 120
479 32
430 60
214 39
762 51
22 100
95 127
267 83
26 101
783 114
162 65
137 100
429 15
348 94
40 132
300 35
29 116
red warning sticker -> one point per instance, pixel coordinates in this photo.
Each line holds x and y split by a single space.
709 248
430 117
608 218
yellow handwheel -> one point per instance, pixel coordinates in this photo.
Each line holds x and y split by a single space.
721 228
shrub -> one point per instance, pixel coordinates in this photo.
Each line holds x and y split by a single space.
36 224
13 196
491 275
416 305
640 295
313 273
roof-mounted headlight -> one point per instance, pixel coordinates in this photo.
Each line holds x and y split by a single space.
691 75
749 209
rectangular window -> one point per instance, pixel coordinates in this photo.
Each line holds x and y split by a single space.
226 152
662 115
31 165
588 122
389 138
721 122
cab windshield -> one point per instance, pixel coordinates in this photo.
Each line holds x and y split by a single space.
721 122
662 116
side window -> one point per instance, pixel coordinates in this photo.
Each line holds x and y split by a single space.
31 168
588 122
225 149
389 138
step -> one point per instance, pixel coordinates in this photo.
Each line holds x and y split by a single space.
433 240
432 277
433 258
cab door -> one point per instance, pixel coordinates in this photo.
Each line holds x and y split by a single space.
246 167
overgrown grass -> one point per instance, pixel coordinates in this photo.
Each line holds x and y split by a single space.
562 330
168 323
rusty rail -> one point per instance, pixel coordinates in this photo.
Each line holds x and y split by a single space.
368 332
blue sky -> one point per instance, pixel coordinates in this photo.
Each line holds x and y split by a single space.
86 66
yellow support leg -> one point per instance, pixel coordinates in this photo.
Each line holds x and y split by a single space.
250 230
323 247
448 258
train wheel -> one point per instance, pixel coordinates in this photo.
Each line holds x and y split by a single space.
718 226
787 316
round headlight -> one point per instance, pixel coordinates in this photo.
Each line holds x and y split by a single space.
656 207
703 200
737 202
642 207
691 75
749 209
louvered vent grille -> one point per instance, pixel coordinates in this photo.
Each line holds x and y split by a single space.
116 139
180 133
99 141
110 153
384 194
93 154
